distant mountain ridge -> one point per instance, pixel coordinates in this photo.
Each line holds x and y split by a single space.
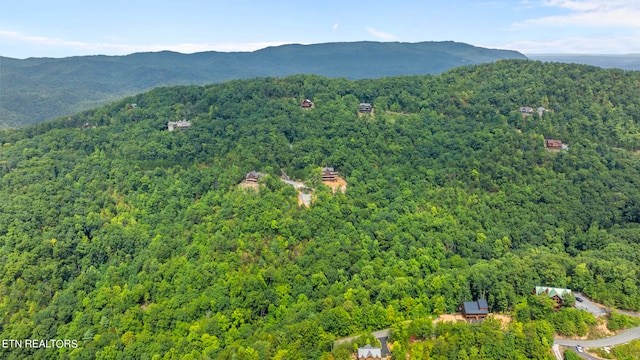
39 89
625 61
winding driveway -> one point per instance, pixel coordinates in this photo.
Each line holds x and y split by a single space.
621 338
597 310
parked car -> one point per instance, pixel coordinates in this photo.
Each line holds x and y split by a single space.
579 299
579 349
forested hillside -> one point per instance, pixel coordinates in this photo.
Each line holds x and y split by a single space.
138 242
38 89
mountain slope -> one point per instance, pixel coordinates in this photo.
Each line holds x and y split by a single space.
38 89
138 242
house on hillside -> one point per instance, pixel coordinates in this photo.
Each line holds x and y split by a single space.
557 145
329 174
365 108
475 310
525 110
180 125
556 294
306 104
253 176
368 352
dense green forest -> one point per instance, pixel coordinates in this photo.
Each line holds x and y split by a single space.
138 242
38 89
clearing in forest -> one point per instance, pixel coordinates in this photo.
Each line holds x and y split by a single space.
339 184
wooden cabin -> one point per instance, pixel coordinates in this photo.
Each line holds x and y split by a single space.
475 310
555 294
552 144
329 174
252 176
306 104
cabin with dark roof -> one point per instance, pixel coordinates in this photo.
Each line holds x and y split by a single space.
475 310
365 108
252 176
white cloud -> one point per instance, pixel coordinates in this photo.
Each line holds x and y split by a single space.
380 34
45 45
335 26
590 13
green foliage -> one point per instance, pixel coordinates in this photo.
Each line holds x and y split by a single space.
571 321
618 321
571 355
139 243
39 89
628 351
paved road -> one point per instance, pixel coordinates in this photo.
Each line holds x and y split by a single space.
621 338
630 313
377 334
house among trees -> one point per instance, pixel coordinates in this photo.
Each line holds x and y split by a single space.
365 108
475 310
329 174
368 352
525 110
180 125
252 177
556 145
306 104
556 294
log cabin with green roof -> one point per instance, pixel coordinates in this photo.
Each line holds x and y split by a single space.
556 294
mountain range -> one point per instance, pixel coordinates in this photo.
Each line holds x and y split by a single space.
625 61
34 90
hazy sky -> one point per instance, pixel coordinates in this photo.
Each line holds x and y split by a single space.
48 28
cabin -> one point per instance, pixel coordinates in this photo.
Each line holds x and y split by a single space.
329 174
368 352
365 108
475 310
556 294
306 104
525 110
253 176
557 145
180 125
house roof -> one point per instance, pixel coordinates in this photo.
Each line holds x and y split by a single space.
551 291
472 308
482 304
369 351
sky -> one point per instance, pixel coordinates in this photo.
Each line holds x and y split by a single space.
61 28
